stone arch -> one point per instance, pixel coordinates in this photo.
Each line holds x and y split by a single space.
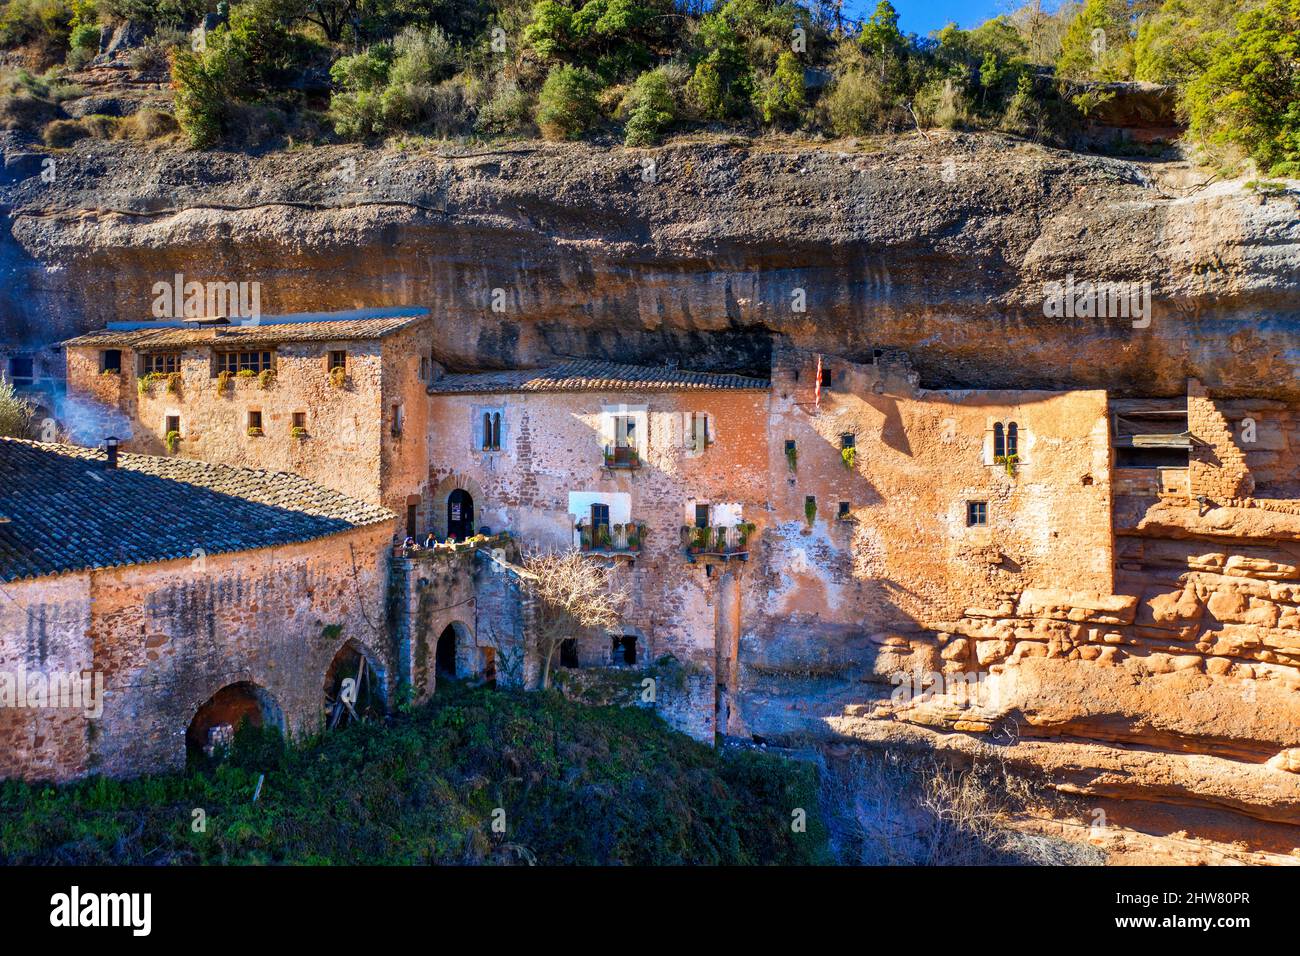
371 698
217 718
438 500
452 649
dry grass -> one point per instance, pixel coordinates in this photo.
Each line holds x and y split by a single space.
884 808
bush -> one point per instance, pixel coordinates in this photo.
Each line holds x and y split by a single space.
63 133
508 112
855 104
15 412
652 109
44 23
566 107
781 96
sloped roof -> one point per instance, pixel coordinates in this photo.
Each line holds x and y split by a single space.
69 512
358 324
591 375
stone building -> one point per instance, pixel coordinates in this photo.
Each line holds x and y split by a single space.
802 543
335 397
169 599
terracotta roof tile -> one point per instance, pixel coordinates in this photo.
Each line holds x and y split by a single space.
588 376
269 330
69 512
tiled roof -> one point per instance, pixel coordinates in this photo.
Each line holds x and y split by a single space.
268 330
588 376
69 512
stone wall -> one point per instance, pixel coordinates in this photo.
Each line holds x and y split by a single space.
167 636
347 435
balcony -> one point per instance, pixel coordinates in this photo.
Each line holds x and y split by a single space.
717 543
612 540
622 456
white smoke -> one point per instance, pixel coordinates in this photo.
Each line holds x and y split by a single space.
88 423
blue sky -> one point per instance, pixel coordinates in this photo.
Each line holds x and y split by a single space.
924 16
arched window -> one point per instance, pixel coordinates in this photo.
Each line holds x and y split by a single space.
1013 439
999 442
487 430
496 429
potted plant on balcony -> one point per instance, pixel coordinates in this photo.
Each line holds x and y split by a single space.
602 536
700 541
1008 462
609 457
745 530
721 534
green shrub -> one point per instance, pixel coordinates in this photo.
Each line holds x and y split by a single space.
652 109
781 96
566 107
508 112
15 412
855 104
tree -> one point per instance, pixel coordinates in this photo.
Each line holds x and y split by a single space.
781 96
1249 96
1177 42
573 593
1098 43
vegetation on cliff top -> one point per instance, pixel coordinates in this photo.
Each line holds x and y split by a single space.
356 69
575 785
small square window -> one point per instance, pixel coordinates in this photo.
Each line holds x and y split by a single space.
300 420
110 360
977 513
844 509
398 420
848 441
789 445
701 516
338 359
21 369
254 421
173 423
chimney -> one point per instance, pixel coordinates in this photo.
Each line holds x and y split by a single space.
110 446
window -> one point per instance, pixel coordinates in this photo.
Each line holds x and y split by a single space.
300 420
624 431
697 435
599 519
337 359
110 360
977 513
160 363
424 370
848 441
235 362
173 424
399 419
491 431
701 516
254 421
1006 440
844 510
21 369
826 377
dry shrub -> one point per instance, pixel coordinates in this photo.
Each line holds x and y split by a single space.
63 133
147 124
893 809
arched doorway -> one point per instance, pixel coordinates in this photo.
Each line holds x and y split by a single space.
460 514
445 655
213 728
354 688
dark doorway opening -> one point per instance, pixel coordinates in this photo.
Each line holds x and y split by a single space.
490 667
412 515
623 648
353 689
445 656
460 515
569 652
212 731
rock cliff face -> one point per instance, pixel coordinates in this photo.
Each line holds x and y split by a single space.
940 246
